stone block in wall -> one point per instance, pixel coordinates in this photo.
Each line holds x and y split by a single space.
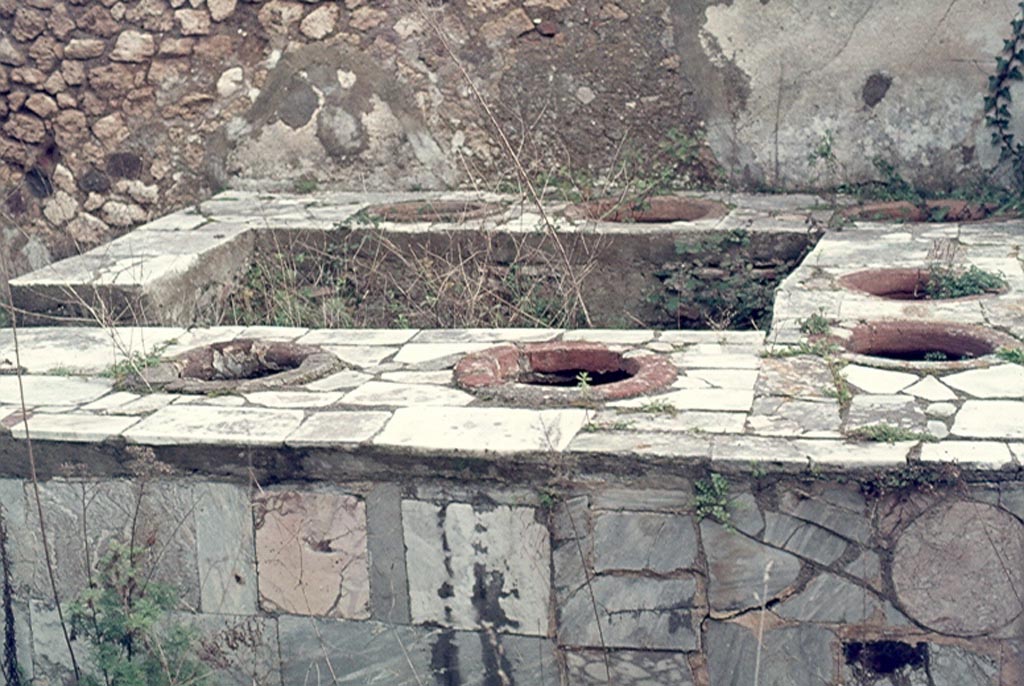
358 653
226 550
21 550
469 568
311 553
794 656
389 596
831 599
643 541
955 666
51 661
737 566
83 519
745 514
572 551
653 499
238 650
803 539
842 510
916 662
570 520
1011 498
632 612
626 668
952 542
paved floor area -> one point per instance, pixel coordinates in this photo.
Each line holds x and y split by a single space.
783 396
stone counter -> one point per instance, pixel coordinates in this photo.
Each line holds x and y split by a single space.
380 523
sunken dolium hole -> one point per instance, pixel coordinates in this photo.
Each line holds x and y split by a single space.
576 367
893 284
242 360
921 341
241 365
923 284
574 377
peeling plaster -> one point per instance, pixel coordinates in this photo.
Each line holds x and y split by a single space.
807 63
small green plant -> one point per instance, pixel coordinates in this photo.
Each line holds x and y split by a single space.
820 348
305 185
363 219
945 281
816 325
843 394
888 433
583 381
1014 355
65 370
823 151
135 362
712 500
125 616
935 356
619 425
916 477
653 407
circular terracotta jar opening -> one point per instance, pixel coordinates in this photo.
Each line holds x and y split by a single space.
897 284
660 209
433 211
239 366
929 211
926 345
562 373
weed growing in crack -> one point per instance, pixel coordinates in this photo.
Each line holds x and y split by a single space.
653 407
946 282
620 425
820 348
1014 355
843 394
711 500
304 185
816 325
888 433
914 476
133 363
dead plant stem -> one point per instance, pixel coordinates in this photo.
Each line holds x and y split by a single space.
513 156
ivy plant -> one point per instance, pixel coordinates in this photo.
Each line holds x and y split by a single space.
998 99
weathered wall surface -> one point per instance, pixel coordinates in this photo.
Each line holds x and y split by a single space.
431 583
114 111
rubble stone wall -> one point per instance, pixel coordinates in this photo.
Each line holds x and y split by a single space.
114 111
414 583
